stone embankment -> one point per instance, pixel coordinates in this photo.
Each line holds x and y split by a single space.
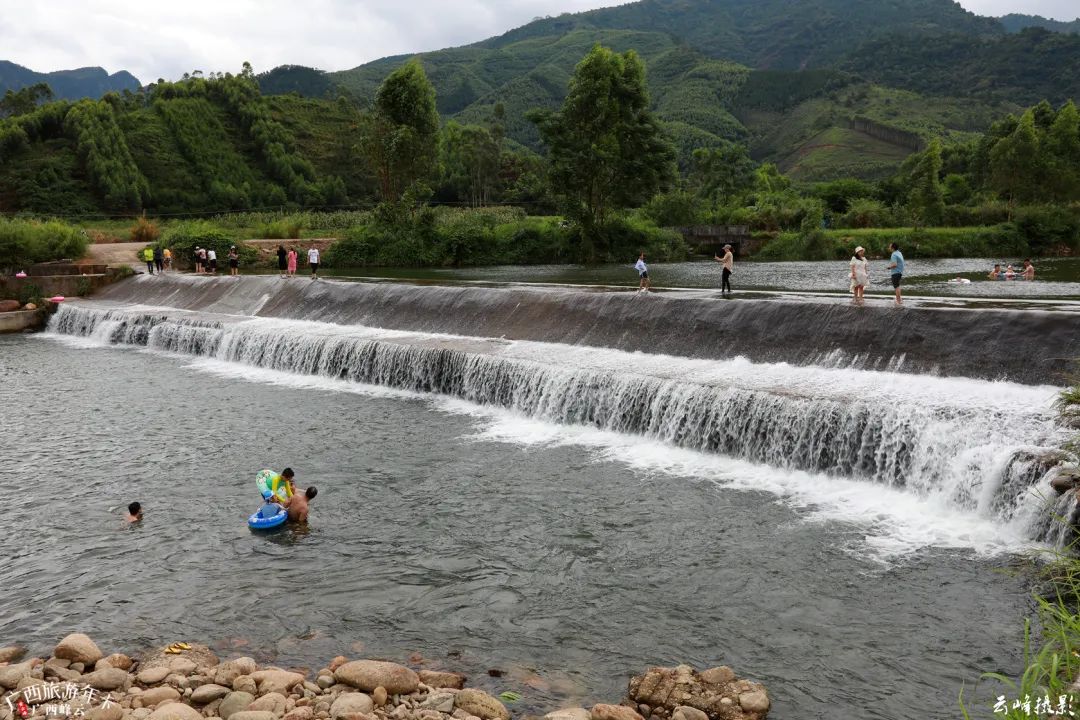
189 682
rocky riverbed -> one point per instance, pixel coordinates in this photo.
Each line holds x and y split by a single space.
189 682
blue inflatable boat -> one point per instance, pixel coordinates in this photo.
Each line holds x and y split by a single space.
268 517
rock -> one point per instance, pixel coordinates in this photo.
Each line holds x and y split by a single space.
10 675
280 681
11 653
181 665
614 712
234 702
153 676
113 712
208 693
253 715
58 663
227 672
158 695
61 673
199 655
379 695
685 712
668 688
271 702
300 713
441 702
140 713
569 714
482 705
718 675
337 662
108 679
211 709
9 305
1064 481
175 711
29 306
117 660
245 683
370 674
756 701
78 648
435 679
352 703
325 681
77 667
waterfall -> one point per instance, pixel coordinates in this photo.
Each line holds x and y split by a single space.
976 446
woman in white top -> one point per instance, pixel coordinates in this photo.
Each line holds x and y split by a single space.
859 279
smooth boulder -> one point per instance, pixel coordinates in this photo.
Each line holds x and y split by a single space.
350 704
234 702
367 675
280 681
270 702
205 694
175 711
108 678
480 704
11 653
9 305
254 715
152 676
78 648
614 712
158 695
577 713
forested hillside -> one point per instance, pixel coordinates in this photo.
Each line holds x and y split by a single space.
91 82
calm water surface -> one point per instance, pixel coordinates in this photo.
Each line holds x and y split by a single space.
1055 278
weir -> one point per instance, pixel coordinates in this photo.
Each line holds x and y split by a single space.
967 445
1029 346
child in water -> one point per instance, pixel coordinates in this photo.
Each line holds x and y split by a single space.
134 513
297 505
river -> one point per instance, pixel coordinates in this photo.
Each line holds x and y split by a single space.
566 515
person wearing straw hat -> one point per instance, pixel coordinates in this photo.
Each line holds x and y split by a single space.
729 266
859 278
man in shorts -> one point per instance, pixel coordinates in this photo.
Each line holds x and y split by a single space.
297 505
896 268
643 274
313 260
211 257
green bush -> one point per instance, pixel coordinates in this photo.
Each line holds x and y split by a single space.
284 229
673 209
25 242
625 237
1048 228
184 237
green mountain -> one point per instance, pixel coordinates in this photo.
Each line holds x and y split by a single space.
1016 23
91 82
785 77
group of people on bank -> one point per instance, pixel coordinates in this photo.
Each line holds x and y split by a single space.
205 260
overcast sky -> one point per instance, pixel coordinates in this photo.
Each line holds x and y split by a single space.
155 38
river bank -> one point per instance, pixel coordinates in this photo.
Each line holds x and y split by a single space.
185 681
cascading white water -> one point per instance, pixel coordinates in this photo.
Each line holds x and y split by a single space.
976 446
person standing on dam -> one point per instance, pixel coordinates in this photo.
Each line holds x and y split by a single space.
643 274
729 267
896 268
313 260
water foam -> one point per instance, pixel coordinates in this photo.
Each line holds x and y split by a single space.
913 461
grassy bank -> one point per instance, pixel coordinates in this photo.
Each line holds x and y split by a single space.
1052 651
25 242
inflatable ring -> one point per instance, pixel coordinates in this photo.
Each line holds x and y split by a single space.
268 517
271 485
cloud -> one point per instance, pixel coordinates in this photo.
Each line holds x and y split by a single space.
154 38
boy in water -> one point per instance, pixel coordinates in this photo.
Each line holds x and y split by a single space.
297 505
134 513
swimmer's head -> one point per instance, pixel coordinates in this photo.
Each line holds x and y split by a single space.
134 509
287 473
311 493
